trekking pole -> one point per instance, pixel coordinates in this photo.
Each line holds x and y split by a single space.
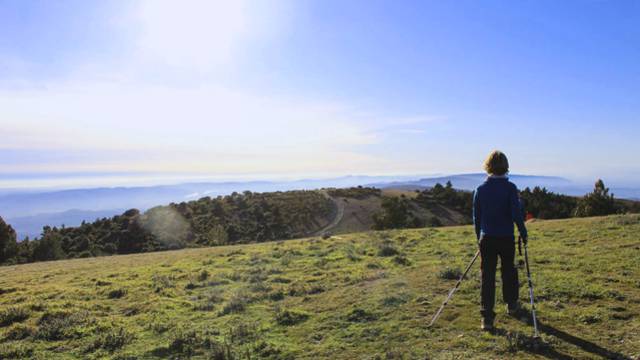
533 306
435 317
520 245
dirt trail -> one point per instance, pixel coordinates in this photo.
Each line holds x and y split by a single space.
336 220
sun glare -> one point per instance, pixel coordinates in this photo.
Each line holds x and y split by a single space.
192 33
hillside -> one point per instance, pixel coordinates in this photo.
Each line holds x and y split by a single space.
359 296
237 218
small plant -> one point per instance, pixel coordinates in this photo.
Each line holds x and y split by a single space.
116 293
191 285
276 295
15 351
203 275
450 274
517 341
184 342
290 317
53 326
386 248
361 315
243 333
401 259
236 304
590 319
20 332
161 282
13 315
209 301
281 280
111 340
394 300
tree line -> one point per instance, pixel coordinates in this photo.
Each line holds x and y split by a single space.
538 203
236 218
258 217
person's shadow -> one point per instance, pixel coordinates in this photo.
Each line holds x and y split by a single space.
549 352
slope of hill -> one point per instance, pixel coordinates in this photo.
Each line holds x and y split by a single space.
236 218
359 296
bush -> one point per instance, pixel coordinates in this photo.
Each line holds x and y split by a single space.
17 351
450 274
361 315
290 317
20 332
184 342
394 300
161 282
236 304
13 315
116 293
386 248
111 341
54 326
209 301
203 275
402 260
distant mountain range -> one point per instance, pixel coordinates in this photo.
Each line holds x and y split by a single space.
471 181
28 211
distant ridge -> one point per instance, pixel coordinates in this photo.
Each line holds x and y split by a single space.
471 181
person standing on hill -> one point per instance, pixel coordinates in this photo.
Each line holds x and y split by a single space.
496 207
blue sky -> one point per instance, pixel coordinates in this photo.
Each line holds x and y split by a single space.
318 88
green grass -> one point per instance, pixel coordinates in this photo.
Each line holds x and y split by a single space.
360 296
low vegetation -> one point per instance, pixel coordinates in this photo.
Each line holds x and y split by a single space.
259 217
346 297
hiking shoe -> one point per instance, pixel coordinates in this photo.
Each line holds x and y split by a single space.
486 325
514 308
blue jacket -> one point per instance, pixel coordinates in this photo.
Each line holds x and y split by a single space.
496 206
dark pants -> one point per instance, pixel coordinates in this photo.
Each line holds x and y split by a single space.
492 247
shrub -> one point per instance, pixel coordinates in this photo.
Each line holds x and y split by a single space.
15 351
161 282
191 285
517 341
111 340
203 275
54 326
450 274
276 295
116 293
402 260
13 315
209 301
394 300
20 332
361 315
386 248
290 317
184 342
236 304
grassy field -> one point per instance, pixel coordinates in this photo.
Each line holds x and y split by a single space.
360 296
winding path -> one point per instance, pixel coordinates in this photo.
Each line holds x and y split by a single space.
336 220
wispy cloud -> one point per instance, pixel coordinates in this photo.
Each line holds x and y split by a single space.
159 104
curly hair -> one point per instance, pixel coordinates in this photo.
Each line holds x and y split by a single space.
496 163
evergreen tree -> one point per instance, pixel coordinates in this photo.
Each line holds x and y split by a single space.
8 243
49 247
597 203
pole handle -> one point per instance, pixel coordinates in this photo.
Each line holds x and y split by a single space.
520 245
